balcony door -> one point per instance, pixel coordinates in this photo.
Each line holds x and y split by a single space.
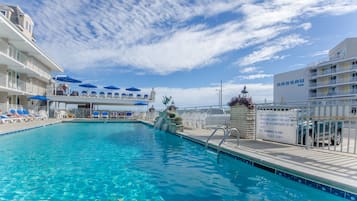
354 88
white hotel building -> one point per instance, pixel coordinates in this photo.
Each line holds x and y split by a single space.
24 69
335 78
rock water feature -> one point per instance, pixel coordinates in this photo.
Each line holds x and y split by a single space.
169 120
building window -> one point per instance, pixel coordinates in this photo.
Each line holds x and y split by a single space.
332 91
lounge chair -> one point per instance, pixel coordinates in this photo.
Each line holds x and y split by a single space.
131 96
43 115
123 95
138 96
114 115
14 115
105 115
95 114
109 94
24 116
101 94
28 115
84 93
129 115
146 96
93 93
74 93
116 95
5 119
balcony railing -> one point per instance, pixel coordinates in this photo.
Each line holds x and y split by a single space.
109 95
337 93
27 61
334 82
16 84
332 71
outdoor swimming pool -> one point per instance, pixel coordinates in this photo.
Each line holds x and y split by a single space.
130 161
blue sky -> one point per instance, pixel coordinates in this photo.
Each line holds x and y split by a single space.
184 48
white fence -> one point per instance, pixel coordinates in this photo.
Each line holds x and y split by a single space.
204 117
329 125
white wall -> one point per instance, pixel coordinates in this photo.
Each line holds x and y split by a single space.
292 86
345 49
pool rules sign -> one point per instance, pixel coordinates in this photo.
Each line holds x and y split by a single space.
277 126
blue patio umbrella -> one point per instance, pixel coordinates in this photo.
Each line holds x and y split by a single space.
88 86
111 87
42 98
132 89
66 78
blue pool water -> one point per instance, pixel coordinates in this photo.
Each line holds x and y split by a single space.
130 161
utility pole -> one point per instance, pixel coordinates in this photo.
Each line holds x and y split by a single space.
220 96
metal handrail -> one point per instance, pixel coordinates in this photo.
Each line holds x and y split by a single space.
214 132
227 134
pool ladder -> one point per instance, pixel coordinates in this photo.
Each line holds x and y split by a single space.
226 133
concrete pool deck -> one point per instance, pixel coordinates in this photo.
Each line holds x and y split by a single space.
18 126
327 167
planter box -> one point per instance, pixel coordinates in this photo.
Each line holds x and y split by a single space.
243 119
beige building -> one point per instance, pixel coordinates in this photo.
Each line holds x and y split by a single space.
24 69
334 78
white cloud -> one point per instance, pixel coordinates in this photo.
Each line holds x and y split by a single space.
250 69
159 36
269 51
255 76
320 53
306 26
206 96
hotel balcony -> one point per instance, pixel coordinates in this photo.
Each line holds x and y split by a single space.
337 94
15 87
329 72
330 83
23 64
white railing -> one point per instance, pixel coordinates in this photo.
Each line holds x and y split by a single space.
16 84
30 63
329 124
206 117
